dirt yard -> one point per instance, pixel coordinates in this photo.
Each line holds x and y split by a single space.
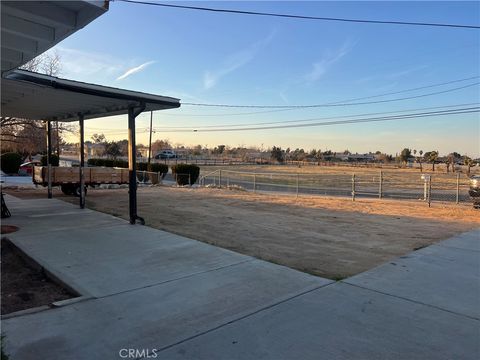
329 237
23 286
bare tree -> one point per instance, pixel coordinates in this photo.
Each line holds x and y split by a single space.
98 138
28 136
51 64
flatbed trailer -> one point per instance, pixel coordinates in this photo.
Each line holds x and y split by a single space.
68 178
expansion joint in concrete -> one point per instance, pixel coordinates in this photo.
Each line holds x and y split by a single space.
412 301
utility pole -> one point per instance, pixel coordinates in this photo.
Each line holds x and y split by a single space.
150 142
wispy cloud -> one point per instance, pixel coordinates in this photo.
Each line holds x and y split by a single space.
95 66
235 61
77 63
406 72
321 67
134 70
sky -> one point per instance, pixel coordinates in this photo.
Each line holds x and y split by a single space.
204 57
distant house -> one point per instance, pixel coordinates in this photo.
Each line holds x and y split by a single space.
357 157
143 151
94 150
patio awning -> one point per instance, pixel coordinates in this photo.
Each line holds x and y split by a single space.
30 28
30 95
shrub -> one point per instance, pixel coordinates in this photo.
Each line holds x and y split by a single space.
11 162
155 168
185 173
108 163
54 160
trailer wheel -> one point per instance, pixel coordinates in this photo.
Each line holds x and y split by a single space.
76 190
67 189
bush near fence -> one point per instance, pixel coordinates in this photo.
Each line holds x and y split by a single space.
10 162
54 160
185 174
108 163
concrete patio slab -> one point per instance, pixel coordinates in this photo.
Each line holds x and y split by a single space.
339 321
153 290
447 277
40 216
467 241
156 316
100 255
119 258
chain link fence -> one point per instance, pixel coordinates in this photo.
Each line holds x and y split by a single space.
379 184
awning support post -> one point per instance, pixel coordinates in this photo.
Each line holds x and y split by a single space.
133 112
49 158
82 161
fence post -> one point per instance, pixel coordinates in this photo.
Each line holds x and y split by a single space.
254 182
176 176
380 189
190 179
353 187
425 190
220 178
297 185
429 190
457 197
144 176
158 177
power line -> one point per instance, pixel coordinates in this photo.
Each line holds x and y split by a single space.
304 17
409 90
329 104
161 128
343 122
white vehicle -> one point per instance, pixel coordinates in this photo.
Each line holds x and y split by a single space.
166 154
474 191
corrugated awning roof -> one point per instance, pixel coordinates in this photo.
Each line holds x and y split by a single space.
30 28
36 96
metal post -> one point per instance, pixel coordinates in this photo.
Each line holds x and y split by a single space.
380 189
158 177
254 182
353 187
220 178
49 158
190 179
57 135
82 161
429 190
132 164
457 197
150 142
425 190
297 185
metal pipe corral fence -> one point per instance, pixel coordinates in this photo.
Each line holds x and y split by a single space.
381 185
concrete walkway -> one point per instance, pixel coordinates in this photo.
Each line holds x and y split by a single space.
177 298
